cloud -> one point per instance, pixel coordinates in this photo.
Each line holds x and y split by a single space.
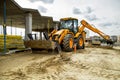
89 10
42 9
91 17
47 1
76 11
107 24
34 0
44 1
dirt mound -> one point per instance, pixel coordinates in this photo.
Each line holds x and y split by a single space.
41 68
47 69
13 75
88 64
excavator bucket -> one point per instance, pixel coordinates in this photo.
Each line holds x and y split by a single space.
38 45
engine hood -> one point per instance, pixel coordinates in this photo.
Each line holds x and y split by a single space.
59 32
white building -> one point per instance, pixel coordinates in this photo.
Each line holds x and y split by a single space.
118 38
114 38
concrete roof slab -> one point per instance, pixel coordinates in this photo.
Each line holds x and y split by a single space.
16 15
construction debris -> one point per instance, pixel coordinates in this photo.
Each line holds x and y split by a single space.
12 42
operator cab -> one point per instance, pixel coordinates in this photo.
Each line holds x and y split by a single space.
69 23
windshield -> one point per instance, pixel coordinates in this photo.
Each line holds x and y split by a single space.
67 24
72 25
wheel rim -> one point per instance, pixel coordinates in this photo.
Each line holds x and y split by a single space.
80 41
71 42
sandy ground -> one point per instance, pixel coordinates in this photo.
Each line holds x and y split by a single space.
87 64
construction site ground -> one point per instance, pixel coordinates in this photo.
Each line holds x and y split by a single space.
85 64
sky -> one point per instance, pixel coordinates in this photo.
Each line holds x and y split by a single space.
103 14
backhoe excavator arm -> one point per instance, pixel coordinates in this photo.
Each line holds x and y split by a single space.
87 25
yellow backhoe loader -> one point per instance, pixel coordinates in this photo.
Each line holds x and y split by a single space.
68 35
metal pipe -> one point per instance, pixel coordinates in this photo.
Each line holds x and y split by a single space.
48 26
4 26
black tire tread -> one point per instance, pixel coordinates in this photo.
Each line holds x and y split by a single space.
78 46
66 43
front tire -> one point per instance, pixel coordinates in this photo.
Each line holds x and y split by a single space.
80 42
68 43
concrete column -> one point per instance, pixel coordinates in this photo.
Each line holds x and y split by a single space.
56 26
40 35
28 25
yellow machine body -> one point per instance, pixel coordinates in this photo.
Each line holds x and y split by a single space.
68 35
59 35
77 37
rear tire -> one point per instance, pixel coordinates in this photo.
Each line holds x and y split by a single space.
80 42
68 43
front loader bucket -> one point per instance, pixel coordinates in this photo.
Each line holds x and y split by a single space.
38 45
